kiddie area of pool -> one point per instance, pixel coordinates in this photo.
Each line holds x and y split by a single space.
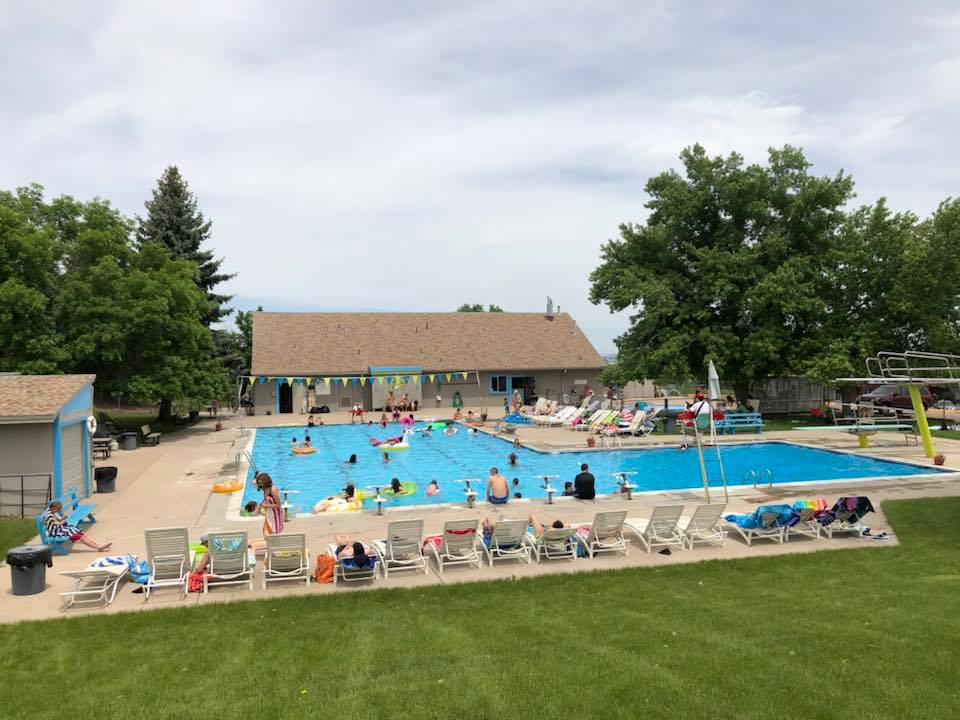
448 458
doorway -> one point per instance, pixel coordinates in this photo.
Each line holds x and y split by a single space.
286 398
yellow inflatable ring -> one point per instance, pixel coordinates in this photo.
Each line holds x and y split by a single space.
228 487
303 451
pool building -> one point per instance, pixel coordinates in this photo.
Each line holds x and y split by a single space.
304 360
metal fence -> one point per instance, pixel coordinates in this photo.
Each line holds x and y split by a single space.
25 495
787 395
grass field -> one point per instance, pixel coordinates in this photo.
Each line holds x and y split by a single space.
15 531
854 634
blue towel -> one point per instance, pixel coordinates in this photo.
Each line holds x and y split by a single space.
749 521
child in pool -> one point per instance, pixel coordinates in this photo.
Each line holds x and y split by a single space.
383 420
396 487
433 488
516 482
251 507
386 457
512 459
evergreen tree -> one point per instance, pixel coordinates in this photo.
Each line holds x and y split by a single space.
174 221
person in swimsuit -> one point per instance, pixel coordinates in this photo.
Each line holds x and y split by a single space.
498 491
271 506
538 526
396 487
458 415
433 488
352 460
383 420
57 526
347 549
512 459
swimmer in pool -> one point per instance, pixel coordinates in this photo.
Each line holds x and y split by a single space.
433 488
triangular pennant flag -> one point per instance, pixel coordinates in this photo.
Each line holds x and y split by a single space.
463 375
431 377
415 379
380 380
291 381
363 381
262 379
353 381
343 381
448 376
423 378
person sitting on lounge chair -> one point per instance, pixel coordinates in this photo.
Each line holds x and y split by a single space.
498 492
57 526
538 527
347 549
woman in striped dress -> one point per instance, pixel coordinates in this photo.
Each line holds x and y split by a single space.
271 506
57 526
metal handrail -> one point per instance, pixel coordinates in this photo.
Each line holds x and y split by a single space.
46 493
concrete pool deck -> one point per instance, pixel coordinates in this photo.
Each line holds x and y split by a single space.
169 485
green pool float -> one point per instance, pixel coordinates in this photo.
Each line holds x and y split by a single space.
409 488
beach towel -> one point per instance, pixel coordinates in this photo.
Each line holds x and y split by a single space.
139 569
323 572
749 521
859 505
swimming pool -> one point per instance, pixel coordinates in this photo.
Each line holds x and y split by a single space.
447 458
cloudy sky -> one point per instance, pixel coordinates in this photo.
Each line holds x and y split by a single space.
416 155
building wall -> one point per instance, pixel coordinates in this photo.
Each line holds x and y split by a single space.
25 448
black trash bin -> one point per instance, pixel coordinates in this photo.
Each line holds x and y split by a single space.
28 568
106 478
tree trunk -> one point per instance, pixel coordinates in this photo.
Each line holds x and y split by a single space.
741 388
166 411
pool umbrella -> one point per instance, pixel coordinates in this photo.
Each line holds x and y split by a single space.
713 381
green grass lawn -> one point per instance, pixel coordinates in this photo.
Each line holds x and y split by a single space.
854 634
15 531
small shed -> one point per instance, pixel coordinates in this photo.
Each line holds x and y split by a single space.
44 439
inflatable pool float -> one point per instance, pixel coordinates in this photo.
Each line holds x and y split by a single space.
389 441
518 419
403 444
303 451
437 425
406 421
338 505
228 487
409 488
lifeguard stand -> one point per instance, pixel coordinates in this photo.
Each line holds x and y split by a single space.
913 369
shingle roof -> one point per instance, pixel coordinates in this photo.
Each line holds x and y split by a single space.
38 397
341 343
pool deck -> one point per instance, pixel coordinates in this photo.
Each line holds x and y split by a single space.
169 485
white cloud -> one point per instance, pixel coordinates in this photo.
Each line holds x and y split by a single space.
423 155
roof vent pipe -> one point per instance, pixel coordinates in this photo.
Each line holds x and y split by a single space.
549 308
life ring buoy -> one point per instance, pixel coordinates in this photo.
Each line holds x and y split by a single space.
228 487
91 424
303 451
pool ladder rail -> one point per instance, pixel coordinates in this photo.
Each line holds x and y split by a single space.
547 487
757 479
249 458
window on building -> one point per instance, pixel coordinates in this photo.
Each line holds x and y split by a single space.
498 383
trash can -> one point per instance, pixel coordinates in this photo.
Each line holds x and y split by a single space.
129 441
28 568
669 425
106 478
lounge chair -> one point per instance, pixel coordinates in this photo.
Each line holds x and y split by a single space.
588 419
767 522
605 534
558 418
507 541
662 529
537 409
806 520
704 525
403 548
553 544
287 558
631 428
229 562
347 570
846 516
605 422
650 416
168 556
93 585
458 544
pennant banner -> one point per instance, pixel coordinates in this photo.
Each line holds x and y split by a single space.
463 375
431 377
363 381
448 376
380 380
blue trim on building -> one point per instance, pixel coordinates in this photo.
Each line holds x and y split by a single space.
276 397
396 370
57 454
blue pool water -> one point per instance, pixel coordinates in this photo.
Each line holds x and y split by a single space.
451 457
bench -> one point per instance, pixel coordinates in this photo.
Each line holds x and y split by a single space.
149 438
731 421
101 446
74 512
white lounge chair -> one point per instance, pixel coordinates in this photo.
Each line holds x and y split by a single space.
769 529
347 570
806 524
508 542
287 558
459 544
229 562
661 529
554 544
168 555
704 525
403 548
558 418
632 428
605 534
587 419
93 585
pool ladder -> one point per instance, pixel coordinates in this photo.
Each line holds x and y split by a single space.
245 454
755 479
